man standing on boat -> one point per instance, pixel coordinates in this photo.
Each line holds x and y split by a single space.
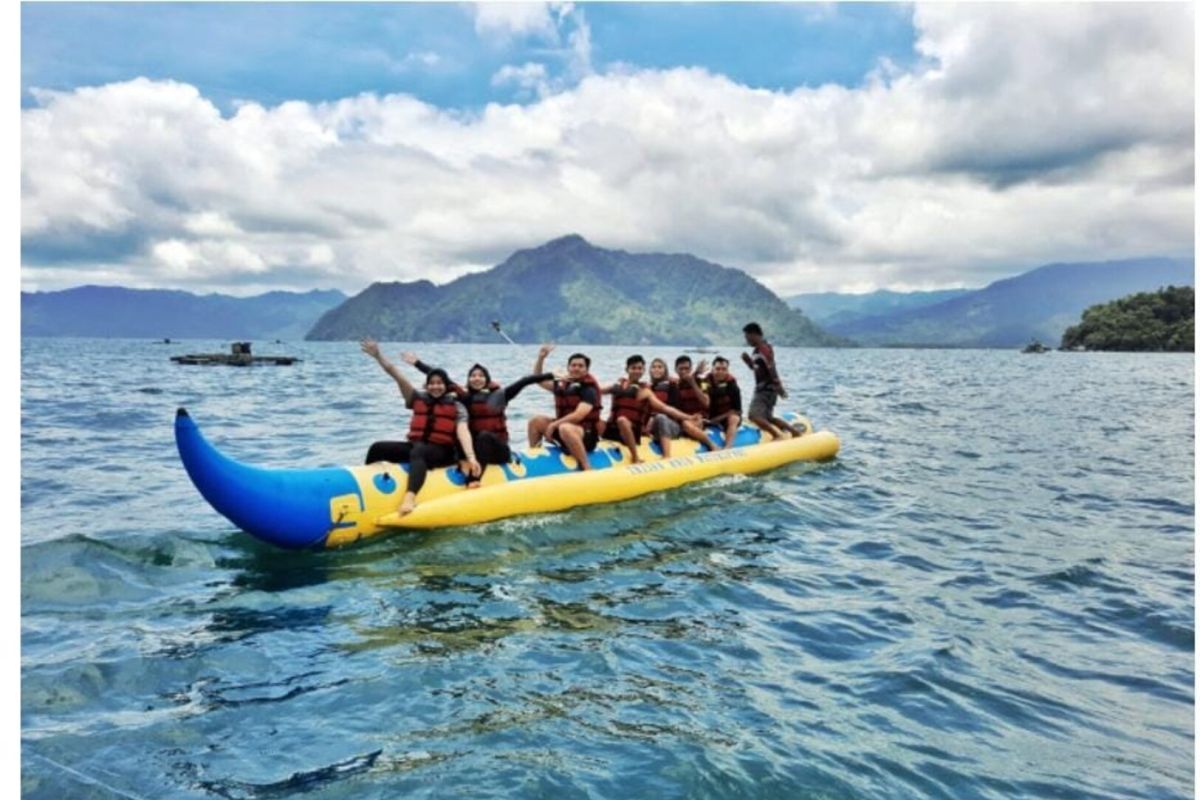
576 422
768 387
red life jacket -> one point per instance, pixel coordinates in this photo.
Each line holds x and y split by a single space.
433 422
625 402
720 396
567 399
482 416
662 390
689 399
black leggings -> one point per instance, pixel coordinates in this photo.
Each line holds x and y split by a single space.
490 449
419 456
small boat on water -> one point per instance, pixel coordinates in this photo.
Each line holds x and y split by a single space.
335 506
238 356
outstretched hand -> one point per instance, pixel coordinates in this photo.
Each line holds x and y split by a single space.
747 359
370 347
545 349
701 367
409 358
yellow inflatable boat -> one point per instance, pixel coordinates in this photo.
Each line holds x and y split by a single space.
334 506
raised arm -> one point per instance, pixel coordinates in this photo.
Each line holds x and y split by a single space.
371 348
501 397
412 360
691 379
539 366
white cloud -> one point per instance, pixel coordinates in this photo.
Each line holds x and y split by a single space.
531 78
507 21
1025 135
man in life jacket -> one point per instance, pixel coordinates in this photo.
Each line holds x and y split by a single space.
692 400
485 401
438 422
724 400
633 401
576 423
768 388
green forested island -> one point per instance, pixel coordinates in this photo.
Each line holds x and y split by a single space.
1162 321
568 290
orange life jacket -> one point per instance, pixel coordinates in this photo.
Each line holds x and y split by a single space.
625 402
482 416
689 398
433 422
567 397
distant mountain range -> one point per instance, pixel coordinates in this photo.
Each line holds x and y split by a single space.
113 311
568 290
1039 304
829 309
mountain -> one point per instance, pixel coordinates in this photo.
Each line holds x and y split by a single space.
1039 304
833 308
568 290
114 311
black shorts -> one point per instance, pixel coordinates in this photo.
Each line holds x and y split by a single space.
613 434
590 438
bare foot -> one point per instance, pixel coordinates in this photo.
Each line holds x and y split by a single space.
410 502
473 485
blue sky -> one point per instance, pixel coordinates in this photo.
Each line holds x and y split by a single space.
245 147
320 52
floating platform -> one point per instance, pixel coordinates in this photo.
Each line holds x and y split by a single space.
239 356
208 359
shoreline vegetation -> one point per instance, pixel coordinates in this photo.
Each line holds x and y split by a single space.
1145 322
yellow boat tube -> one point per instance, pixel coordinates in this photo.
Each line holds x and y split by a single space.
335 506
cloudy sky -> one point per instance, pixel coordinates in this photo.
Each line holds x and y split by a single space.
245 147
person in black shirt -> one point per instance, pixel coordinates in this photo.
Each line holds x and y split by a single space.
576 423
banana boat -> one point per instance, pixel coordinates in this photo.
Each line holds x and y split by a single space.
336 506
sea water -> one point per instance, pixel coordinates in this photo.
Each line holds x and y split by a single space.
988 594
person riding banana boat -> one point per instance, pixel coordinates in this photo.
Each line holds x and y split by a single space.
693 401
632 404
485 401
660 427
724 400
439 420
576 423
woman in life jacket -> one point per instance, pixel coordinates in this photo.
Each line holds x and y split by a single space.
576 422
724 400
633 402
439 421
485 401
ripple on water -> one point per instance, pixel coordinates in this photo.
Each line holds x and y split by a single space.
972 601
